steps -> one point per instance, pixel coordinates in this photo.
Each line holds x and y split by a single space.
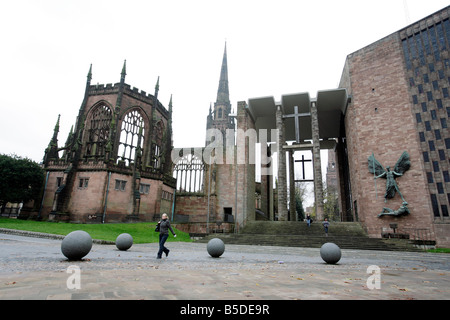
347 235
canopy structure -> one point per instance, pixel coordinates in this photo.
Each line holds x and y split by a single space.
312 123
330 104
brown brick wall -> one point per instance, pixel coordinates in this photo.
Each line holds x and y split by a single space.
442 235
50 193
91 200
379 120
195 206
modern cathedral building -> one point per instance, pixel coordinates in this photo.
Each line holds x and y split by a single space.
399 88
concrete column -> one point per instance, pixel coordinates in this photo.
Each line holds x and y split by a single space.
246 174
318 185
292 207
265 183
282 181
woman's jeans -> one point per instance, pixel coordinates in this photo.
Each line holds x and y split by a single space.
162 241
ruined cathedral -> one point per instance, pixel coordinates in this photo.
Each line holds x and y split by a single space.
386 124
115 164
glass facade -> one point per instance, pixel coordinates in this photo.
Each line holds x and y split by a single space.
427 61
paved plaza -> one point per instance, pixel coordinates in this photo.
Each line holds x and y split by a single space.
34 268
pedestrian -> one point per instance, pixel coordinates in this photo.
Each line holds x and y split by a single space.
326 224
164 226
308 220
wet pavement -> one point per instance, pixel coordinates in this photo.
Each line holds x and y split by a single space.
35 269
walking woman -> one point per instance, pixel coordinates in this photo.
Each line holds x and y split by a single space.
164 226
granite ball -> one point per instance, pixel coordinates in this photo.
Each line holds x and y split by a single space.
215 247
76 245
330 253
124 241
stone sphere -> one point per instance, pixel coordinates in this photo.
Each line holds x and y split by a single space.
330 253
215 247
124 241
76 245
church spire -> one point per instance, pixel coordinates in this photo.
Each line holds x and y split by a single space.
124 71
223 95
155 100
157 88
121 86
89 75
51 153
56 130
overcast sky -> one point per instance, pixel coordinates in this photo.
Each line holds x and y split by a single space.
274 48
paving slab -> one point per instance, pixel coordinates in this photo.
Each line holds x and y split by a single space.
35 269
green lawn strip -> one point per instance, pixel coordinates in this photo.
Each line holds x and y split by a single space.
142 232
439 250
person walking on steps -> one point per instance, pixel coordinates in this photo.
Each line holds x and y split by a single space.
164 227
308 220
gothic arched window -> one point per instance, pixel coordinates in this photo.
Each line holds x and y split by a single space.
158 139
189 172
130 136
220 113
98 131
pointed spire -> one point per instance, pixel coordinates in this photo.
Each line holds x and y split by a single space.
223 96
56 130
54 141
157 87
124 72
124 69
69 137
121 88
89 75
86 95
155 100
67 146
170 106
52 150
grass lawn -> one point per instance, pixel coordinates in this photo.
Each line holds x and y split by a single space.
142 232
440 250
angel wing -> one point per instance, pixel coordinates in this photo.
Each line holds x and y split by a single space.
403 164
375 167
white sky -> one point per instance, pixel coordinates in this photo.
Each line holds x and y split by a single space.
274 48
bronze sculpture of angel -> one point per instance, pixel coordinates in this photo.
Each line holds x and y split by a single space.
403 164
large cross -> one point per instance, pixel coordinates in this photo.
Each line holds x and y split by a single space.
303 169
296 117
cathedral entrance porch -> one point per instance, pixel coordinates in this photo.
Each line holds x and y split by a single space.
304 123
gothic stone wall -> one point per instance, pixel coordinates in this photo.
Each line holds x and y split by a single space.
87 204
379 120
50 193
196 207
120 202
130 100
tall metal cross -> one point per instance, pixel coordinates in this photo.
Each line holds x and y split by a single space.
296 117
303 169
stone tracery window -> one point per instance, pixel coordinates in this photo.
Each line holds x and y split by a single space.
189 172
129 136
98 131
